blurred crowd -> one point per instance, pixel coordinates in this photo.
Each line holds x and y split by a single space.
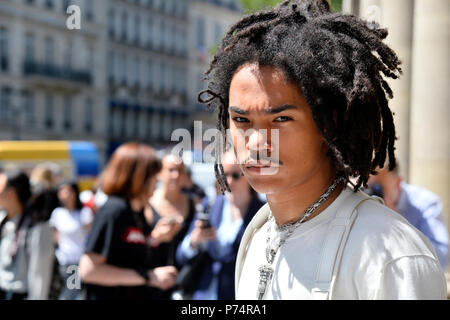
146 230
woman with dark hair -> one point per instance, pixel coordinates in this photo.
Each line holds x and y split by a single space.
26 246
117 263
71 223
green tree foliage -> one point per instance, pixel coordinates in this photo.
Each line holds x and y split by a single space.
336 5
254 5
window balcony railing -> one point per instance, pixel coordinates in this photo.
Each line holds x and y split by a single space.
52 71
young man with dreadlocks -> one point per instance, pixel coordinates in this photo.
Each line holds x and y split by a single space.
315 79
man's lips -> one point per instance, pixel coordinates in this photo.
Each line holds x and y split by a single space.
262 165
268 169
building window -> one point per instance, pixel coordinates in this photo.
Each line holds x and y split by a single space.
200 33
150 32
29 109
123 70
4 57
129 130
162 77
90 59
157 76
117 120
124 26
158 32
111 67
88 115
89 9
68 56
137 30
148 126
67 113
48 111
168 38
112 23
178 80
162 39
110 121
5 104
137 71
136 123
49 51
142 124
66 4
49 4
170 83
150 74
29 48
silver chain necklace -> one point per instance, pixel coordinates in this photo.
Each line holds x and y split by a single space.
266 270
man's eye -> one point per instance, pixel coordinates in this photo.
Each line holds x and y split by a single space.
283 119
240 119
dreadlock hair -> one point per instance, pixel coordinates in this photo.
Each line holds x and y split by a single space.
337 61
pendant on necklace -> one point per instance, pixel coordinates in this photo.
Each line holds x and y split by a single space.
265 275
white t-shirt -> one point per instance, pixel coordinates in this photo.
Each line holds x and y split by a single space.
72 233
385 257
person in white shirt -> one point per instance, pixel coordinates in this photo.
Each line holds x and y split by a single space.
300 91
71 223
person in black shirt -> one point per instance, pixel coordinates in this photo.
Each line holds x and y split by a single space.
118 262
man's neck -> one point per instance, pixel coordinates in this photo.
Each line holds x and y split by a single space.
289 205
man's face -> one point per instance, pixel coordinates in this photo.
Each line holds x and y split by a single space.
261 98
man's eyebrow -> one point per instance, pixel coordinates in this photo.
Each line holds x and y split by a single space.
279 109
238 110
270 110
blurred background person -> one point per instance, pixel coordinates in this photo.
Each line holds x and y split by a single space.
117 263
191 189
173 205
42 179
71 223
26 245
163 231
421 207
220 236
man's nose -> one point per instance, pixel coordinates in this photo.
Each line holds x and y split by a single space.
258 140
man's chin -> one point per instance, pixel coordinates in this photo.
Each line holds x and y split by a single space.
265 184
